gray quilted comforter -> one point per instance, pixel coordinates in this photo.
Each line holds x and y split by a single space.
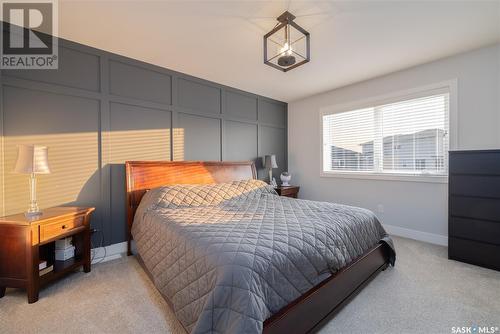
228 256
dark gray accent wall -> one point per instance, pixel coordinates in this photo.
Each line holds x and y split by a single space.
100 109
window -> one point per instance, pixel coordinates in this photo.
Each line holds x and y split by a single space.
409 136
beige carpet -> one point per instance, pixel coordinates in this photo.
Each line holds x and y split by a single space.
424 293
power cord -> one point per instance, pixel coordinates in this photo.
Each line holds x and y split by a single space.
96 250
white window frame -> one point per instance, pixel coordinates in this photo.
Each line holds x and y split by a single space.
450 86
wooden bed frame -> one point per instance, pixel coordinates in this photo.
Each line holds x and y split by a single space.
307 313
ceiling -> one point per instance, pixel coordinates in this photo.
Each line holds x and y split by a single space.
221 41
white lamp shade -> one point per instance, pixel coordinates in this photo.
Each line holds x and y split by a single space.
270 161
32 159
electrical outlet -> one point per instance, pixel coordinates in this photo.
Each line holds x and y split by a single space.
380 208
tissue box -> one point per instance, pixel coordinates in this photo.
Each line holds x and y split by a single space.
64 243
65 254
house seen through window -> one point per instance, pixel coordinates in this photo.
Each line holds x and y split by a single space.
410 136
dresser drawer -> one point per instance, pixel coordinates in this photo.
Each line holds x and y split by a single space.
473 229
475 162
486 255
475 207
51 231
475 185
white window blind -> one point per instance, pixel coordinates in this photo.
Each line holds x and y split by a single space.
409 137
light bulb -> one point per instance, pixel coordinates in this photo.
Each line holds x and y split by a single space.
286 49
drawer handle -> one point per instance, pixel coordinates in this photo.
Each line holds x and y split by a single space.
63 227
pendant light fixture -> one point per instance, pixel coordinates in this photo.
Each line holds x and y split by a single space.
287 46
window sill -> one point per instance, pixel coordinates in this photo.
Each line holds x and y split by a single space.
387 177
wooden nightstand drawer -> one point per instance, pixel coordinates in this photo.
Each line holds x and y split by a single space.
288 191
53 230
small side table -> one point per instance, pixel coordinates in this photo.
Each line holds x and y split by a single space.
288 191
25 241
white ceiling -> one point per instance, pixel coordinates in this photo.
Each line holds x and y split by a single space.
351 41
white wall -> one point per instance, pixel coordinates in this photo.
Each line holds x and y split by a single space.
410 208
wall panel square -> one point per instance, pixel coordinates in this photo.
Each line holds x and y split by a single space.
77 69
198 96
272 113
139 83
241 106
240 141
197 138
273 141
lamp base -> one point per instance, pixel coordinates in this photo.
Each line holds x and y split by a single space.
32 214
33 210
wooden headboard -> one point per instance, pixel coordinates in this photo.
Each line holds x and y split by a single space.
140 176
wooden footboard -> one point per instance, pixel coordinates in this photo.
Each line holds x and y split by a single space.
313 309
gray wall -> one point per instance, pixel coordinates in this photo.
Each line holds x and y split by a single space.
415 209
100 109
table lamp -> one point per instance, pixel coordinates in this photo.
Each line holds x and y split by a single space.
270 163
32 160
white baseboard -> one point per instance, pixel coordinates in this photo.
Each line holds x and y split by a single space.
111 252
431 238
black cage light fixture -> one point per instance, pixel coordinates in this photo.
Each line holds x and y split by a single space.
287 46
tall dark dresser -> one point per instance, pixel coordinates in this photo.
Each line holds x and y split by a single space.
474 207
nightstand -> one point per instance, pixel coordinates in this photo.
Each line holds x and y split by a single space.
288 191
25 241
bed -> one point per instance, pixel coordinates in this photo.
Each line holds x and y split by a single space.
230 255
